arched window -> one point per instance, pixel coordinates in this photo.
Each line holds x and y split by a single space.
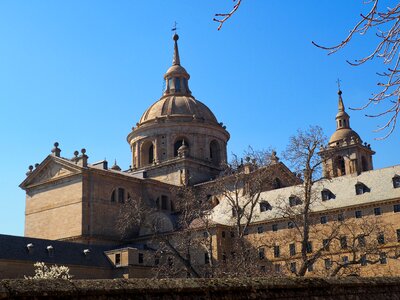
118 194
178 143
151 154
215 152
341 167
364 163
147 153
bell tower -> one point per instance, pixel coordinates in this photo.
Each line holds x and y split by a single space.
345 153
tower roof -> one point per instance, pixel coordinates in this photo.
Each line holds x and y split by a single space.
343 130
177 100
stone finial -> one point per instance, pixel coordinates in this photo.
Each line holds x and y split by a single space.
274 158
84 158
76 153
36 165
30 169
115 167
56 151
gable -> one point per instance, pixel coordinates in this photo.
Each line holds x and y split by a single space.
48 171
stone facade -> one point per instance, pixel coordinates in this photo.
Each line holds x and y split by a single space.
179 142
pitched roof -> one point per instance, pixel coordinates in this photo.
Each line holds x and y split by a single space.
379 183
65 253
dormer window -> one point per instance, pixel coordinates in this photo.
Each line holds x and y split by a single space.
294 200
361 188
276 183
264 206
396 181
327 195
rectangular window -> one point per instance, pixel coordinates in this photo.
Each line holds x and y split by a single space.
310 267
377 211
277 268
325 244
274 227
324 219
293 267
363 260
328 263
398 234
382 258
223 256
292 249
343 242
232 234
309 247
117 259
206 258
396 208
260 229
290 225
246 231
358 214
223 234
345 260
340 217
140 258
261 253
361 240
156 260
277 252
381 238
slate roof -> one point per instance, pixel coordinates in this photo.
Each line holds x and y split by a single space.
379 183
65 253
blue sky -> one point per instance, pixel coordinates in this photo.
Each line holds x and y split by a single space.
83 72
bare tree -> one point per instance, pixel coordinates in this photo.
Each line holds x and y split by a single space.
386 23
302 154
222 18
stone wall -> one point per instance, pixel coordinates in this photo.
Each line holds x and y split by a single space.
261 288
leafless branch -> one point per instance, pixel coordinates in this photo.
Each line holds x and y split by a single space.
386 49
222 18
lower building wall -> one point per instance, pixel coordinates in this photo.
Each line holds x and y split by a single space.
18 269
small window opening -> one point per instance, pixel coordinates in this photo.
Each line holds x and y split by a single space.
118 259
294 200
327 195
361 188
396 181
264 206
140 258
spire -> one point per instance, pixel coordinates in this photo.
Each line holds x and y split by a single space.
176 76
341 105
175 59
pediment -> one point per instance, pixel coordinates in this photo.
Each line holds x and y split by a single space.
49 170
